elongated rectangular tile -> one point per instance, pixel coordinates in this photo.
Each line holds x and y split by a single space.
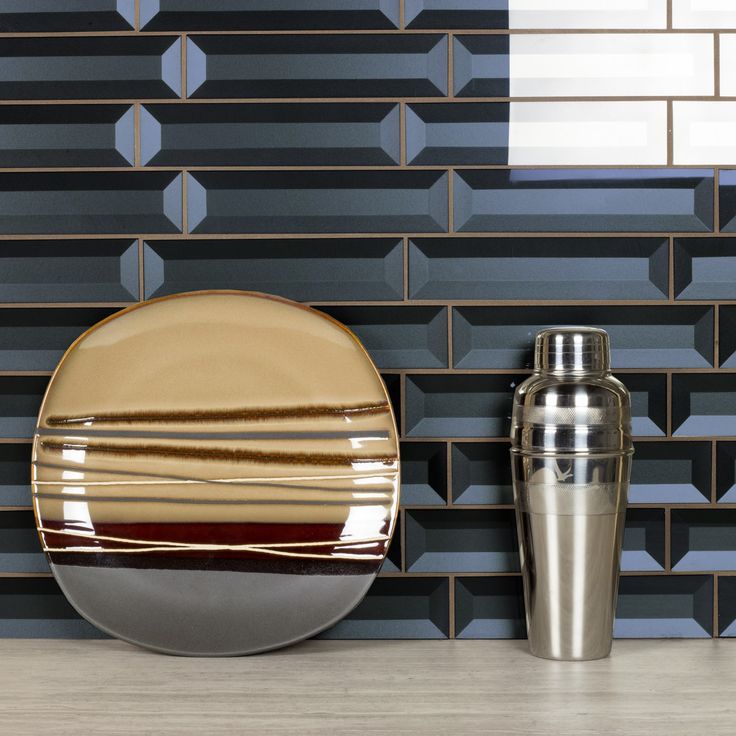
72 135
671 472
727 606
317 201
317 66
611 65
703 14
455 540
193 15
345 134
727 337
489 608
481 66
15 475
398 337
20 400
35 339
398 608
472 133
89 68
481 473
727 200
423 474
90 202
538 268
588 200
21 16
68 270
481 14
704 133
643 546
588 133
648 403
726 472
641 337
705 268
590 14
704 405
660 607
703 539
335 269
728 64
20 551
36 608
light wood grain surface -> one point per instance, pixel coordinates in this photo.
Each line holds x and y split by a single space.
378 687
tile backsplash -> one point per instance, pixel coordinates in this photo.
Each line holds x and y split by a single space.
443 176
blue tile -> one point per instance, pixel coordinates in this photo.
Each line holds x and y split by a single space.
20 401
727 606
643 545
489 608
15 475
20 551
616 200
43 16
705 268
703 539
423 474
481 473
704 405
481 66
727 197
480 14
726 472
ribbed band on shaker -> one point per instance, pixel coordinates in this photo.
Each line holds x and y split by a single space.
572 350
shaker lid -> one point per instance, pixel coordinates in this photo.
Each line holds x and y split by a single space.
572 350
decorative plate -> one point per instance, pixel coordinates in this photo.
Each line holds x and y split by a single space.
215 473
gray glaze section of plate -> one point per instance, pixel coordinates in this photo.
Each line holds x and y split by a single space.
209 612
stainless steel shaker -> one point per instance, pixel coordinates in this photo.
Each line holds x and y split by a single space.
571 456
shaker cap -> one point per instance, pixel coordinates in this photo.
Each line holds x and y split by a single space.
572 350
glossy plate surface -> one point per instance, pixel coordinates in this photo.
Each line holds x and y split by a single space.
215 473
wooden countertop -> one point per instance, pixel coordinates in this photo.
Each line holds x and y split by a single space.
368 687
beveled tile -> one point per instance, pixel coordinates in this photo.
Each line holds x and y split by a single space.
90 202
423 474
590 14
20 400
611 65
69 135
727 198
648 403
186 15
703 14
704 405
317 201
728 64
20 552
704 133
588 133
326 134
705 268
481 473
15 475
481 14
489 608
703 539
469 133
22 16
317 66
90 68
587 200
481 66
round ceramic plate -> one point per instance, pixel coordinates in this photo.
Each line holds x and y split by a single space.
215 473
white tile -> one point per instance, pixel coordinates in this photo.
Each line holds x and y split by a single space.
588 133
704 133
704 13
593 14
728 65
611 64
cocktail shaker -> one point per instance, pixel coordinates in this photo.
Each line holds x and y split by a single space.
571 458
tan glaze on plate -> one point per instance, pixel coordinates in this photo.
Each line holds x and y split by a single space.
215 473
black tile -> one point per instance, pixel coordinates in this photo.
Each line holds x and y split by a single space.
481 66
23 16
325 134
186 15
334 269
471 133
727 196
68 270
704 405
423 474
35 339
90 202
461 540
36 608
398 608
398 337
15 474
726 472
392 381
670 472
70 135
727 336
317 66
317 201
648 403
459 405
392 562
480 14
20 550
705 268
523 269
641 337
20 400
663 607
727 606
703 539
489 608
481 473
586 200
643 547
90 68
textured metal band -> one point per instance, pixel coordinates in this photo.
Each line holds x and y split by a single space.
568 499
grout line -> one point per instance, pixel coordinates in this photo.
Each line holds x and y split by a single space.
670 134
402 407
716 585
137 15
402 132
450 350
668 402
713 472
184 213
671 270
717 65
402 538
183 65
451 610
716 336
137 134
449 497
450 200
405 266
668 540
716 201
669 15
450 66
402 14
141 274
